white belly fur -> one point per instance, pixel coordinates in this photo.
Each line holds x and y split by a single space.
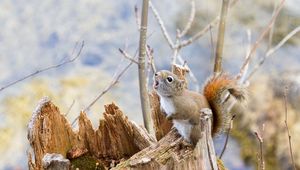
184 128
167 105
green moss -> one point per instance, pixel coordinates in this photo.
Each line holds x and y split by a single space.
87 162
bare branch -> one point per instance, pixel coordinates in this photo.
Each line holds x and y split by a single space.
150 63
273 50
161 25
70 107
212 46
137 18
273 26
243 76
287 128
127 56
227 136
260 38
117 75
151 58
175 55
46 69
191 74
199 34
261 141
204 30
220 40
190 21
283 41
144 97
176 48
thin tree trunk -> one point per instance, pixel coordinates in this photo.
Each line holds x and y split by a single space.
145 103
220 41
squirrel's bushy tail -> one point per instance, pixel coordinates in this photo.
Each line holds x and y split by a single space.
214 92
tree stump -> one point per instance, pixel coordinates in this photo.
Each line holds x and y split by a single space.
115 139
117 143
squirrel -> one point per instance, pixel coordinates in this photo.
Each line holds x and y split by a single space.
184 107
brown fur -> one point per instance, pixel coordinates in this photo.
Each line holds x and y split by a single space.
188 104
213 91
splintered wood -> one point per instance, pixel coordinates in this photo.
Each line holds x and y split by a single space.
116 138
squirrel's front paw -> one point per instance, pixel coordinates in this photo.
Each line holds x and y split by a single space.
206 113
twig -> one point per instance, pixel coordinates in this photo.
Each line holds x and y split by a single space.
272 29
191 74
116 77
144 97
127 56
151 58
199 34
243 76
150 64
212 47
227 136
220 40
136 14
47 68
273 50
261 141
287 128
190 21
284 40
161 24
175 55
115 80
260 38
176 47
204 30
70 107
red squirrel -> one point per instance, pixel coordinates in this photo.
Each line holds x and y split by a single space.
183 106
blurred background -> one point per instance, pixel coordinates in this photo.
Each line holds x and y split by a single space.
35 34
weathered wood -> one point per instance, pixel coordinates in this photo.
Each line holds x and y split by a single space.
116 138
161 125
171 152
49 132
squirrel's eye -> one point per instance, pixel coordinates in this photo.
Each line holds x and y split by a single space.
169 79
155 74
